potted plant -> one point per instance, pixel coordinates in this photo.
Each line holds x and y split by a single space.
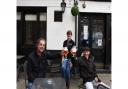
75 9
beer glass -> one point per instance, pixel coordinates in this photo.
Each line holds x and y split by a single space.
73 51
65 51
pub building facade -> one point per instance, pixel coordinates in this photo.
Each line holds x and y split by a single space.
50 20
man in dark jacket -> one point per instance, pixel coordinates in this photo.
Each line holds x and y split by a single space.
37 62
87 68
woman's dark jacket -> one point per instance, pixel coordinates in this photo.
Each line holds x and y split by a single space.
87 68
37 65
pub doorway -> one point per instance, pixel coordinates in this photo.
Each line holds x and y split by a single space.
93 32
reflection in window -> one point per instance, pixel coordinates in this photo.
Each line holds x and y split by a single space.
31 32
97 33
97 38
34 30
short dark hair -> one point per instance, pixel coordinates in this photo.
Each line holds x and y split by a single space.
86 49
69 32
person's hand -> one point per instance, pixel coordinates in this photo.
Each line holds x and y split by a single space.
81 54
70 64
97 79
73 54
62 53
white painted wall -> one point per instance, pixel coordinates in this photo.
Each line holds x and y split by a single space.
56 31
91 6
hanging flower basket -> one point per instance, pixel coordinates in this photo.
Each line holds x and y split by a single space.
75 10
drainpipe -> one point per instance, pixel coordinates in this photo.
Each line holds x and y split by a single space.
76 30
76 26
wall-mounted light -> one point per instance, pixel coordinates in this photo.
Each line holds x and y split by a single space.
84 5
63 5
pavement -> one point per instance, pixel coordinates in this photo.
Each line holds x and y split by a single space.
75 81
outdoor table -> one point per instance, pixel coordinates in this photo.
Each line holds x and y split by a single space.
49 83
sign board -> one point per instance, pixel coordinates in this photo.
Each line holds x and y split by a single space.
85 31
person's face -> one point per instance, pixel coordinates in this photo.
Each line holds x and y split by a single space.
86 53
69 36
41 46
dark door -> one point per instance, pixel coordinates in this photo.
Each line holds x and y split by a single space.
91 33
31 27
34 29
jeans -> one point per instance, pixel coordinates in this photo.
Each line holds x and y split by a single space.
66 69
29 85
89 85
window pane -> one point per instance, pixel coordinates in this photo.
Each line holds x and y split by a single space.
43 16
58 16
34 30
18 15
97 34
31 32
30 17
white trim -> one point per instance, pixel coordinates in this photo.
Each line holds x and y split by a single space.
77 33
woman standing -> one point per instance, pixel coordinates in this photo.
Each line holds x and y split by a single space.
69 43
